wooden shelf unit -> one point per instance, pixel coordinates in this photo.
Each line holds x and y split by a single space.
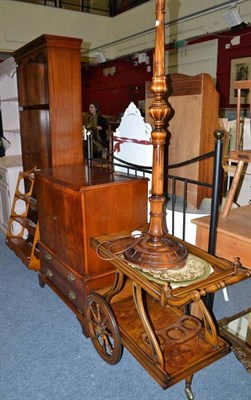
22 233
49 92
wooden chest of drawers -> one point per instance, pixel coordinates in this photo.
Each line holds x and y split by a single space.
76 203
70 283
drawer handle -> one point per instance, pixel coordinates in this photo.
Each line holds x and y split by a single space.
49 273
71 277
72 295
1 176
48 256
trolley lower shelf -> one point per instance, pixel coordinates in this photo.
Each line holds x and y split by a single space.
181 338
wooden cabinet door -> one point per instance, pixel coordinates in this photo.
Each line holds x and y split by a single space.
60 217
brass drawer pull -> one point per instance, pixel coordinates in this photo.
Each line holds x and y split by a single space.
48 256
49 273
72 295
71 277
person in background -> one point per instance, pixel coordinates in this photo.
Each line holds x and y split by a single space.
98 126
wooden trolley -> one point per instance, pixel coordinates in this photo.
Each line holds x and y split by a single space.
152 320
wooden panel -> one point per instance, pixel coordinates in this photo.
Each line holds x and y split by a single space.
32 84
194 106
35 128
115 208
65 105
61 224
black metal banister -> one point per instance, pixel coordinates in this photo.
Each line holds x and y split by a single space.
216 195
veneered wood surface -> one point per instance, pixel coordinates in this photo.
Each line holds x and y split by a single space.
181 360
233 234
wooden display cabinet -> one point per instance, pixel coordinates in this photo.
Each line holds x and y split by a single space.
74 204
49 92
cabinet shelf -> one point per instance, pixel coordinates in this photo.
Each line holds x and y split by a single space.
27 199
175 368
35 106
26 223
9 100
14 130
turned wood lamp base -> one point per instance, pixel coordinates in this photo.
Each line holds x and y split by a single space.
165 255
155 250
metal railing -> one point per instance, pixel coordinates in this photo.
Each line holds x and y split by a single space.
139 170
108 8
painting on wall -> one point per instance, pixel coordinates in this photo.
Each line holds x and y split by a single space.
240 71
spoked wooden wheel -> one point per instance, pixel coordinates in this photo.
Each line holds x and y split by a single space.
103 329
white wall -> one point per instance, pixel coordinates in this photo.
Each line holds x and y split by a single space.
23 22
194 59
142 19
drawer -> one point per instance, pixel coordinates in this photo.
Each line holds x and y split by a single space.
67 289
3 175
50 260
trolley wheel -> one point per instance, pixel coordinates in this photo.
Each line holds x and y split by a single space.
103 329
